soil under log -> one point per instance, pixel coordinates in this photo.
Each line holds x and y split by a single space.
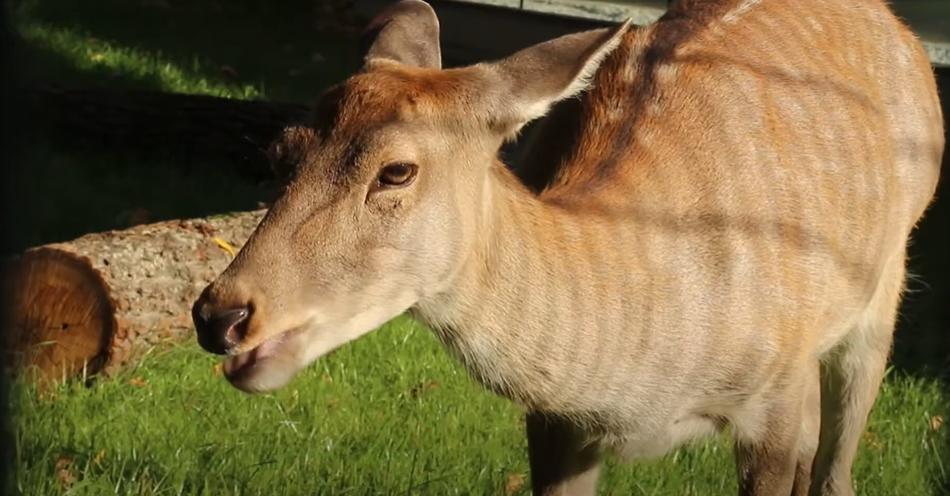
105 298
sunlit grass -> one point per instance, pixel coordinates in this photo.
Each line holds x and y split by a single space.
88 54
388 414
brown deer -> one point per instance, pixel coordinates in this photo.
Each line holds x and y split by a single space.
716 216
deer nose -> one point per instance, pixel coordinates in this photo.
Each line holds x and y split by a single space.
219 330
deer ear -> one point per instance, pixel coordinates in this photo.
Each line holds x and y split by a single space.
286 153
406 33
529 82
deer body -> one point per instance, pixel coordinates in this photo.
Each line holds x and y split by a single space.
732 244
721 218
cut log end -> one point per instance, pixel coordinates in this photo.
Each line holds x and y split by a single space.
60 316
97 302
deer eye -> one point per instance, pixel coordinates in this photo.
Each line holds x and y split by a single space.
396 175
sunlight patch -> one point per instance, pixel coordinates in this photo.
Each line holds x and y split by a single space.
89 54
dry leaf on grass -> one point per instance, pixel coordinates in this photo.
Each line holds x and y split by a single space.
420 388
513 483
65 472
137 381
935 422
871 438
99 457
217 369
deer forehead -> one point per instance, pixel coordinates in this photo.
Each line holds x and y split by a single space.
389 114
390 92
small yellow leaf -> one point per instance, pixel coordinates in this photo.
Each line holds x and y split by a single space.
138 382
224 244
97 57
99 457
871 439
217 369
935 422
514 483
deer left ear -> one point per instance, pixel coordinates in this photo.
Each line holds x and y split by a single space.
406 33
525 85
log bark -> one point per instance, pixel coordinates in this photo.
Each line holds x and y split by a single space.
234 132
105 298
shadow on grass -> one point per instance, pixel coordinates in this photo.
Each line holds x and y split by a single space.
66 195
240 49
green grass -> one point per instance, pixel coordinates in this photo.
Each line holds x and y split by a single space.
388 414
90 56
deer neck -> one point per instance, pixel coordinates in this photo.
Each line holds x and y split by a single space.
525 282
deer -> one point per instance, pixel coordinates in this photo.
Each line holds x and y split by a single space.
707 232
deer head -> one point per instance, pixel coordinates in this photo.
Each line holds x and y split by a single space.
387 186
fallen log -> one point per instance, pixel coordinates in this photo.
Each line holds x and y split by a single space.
105 298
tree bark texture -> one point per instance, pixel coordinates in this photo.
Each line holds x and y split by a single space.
236 132
105 298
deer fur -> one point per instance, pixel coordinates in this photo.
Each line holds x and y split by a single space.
709 230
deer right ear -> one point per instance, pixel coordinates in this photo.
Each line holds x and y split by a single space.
287 152
406 33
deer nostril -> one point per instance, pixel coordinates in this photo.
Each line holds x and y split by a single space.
219 331
227 322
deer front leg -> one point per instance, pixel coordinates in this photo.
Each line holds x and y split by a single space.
768 453
562 462
811 428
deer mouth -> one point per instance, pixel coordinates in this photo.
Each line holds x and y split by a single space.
269 366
